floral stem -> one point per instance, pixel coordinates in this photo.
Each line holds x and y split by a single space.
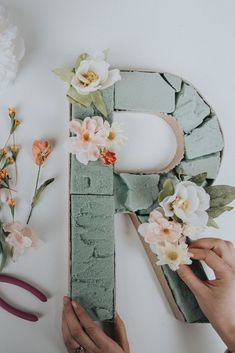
36 186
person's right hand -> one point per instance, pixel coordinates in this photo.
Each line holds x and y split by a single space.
216 297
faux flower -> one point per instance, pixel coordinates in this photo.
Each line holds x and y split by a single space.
108 157
11 112
11 50
94 74
3 174
114 135
159 229
20 238
189 203
11 202
192 232
172 255
88 140
41 151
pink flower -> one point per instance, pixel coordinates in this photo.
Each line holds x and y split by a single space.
20 238
160 230
88 140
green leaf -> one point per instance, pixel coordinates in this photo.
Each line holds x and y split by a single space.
81 57
199 179
78 98
64 74
215 212
212 223
168 189
99 102
220 195
40 190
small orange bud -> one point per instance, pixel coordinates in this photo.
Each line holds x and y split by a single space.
11 202
11 112
15 148
3 174
10 160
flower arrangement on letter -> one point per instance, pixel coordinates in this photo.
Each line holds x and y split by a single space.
15 237
185 209
93 139
90 75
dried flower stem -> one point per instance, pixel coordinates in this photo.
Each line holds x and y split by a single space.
36 187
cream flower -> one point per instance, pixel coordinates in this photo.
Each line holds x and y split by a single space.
11 50
172 255
114 135
159 229
192 232
189 203
88 140
93 74
20 238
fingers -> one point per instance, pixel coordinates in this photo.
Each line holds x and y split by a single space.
75 329
224 249
191 280
69 341
212 260
93 331
120 333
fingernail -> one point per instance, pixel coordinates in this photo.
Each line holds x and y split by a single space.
66 300
74 304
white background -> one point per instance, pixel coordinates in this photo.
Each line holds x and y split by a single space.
194 39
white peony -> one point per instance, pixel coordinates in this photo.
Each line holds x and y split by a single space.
189 203
93 74
172 255
11 50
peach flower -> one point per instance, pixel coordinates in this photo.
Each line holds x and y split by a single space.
20 238
41 151
160 230
88 140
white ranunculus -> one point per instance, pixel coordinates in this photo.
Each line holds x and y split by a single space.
11 50
93 74
189 203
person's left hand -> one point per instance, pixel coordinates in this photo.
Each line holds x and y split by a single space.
79 330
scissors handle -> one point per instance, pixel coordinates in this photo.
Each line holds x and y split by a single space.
17 282
19 313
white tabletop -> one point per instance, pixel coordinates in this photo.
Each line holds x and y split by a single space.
194 39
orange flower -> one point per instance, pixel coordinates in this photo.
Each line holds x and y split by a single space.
3 174
4 151
108 157
41 151
11 112
11 202
10 160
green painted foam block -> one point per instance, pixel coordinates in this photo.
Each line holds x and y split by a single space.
144 91
94 178
92 273
209 164
174 81
81 112
190 108
204 140
142 190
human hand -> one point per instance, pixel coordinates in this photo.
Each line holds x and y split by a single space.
216 297
79 330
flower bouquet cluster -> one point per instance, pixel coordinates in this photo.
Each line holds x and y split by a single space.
93 139
185 210
90 75
14 236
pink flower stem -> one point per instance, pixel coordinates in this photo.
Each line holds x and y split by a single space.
36 187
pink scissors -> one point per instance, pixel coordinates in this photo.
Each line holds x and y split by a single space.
14 311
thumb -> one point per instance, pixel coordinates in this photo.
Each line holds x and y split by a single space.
120 334
191 280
